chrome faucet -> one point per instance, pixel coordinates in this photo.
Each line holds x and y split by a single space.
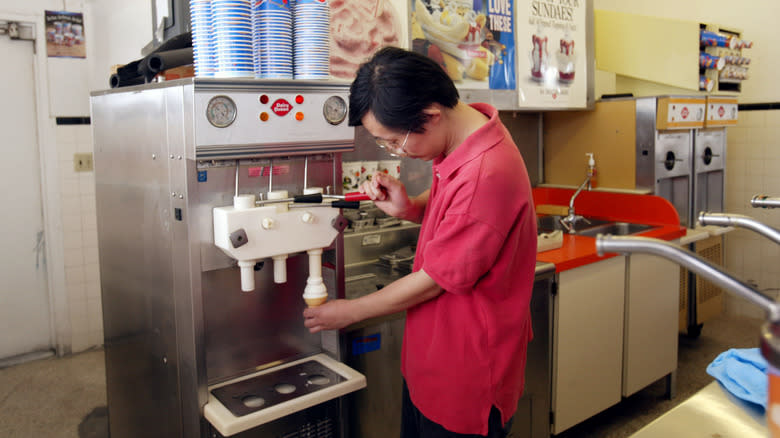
572 218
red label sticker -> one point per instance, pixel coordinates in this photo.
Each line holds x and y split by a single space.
721 111
684 112
281 107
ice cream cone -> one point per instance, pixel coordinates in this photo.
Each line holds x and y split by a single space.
314 302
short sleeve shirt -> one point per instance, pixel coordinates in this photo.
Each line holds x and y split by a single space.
465 350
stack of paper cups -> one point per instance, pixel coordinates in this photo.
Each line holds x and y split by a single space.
312 39
272 39
203 54
233 35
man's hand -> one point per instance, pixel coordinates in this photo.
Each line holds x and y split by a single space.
332 315
389 195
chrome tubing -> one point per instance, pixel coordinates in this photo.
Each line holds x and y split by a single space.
741 221
691 261
764 201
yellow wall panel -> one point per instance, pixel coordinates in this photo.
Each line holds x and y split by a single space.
649 48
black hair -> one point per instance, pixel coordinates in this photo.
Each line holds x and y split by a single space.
396 85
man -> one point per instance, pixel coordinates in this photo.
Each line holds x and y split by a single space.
467 299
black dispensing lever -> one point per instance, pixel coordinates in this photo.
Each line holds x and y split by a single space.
313 198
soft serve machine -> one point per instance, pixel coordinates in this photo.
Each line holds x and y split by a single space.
218 221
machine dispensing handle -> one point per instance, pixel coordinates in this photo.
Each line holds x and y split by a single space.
313 198
356 196
346 204
350 197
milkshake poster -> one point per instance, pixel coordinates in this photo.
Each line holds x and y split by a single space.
552 58
65 34
473 40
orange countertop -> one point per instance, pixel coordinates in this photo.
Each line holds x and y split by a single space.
577 251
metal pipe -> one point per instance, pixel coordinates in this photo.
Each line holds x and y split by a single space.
739 220
691 261
764 201
238 165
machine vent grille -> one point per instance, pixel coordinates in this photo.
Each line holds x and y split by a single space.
707 290
320 429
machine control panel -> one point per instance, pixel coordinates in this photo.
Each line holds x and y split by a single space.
271 120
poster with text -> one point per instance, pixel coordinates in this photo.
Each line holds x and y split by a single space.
552 57
473 40
65 34
358 28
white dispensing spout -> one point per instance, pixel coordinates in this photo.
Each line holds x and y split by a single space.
591 162
247 267
280 268
315 292
280 260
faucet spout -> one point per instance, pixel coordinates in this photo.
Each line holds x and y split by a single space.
569 221
574 196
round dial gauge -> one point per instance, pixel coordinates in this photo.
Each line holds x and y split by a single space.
221 111
334 110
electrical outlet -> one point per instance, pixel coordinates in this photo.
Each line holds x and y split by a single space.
82 162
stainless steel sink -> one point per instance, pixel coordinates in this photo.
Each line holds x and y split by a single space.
591 227
615 228
546 224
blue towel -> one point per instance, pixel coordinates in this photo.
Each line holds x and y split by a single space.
742 371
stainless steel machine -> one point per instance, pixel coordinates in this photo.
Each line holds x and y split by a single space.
205 256
664 142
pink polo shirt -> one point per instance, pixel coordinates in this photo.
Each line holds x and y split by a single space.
465 350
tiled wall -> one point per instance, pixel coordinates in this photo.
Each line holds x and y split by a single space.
753 167
79 227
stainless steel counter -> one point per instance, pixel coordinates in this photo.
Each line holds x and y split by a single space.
711 412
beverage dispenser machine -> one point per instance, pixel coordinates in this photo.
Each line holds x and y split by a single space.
215 230
643 144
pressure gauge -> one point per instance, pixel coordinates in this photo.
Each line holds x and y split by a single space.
334 110
221 111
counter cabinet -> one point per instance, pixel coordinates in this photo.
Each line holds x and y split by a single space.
614 332
587 344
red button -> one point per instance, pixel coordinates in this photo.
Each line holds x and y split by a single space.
299 99
264 99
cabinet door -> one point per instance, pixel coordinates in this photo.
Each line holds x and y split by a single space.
587 341
652 312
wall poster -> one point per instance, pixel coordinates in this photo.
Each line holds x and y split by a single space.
473 40
65 34
359 28
552 58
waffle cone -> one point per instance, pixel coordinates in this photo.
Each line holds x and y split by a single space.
314 302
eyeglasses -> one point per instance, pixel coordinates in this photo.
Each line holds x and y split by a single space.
392 145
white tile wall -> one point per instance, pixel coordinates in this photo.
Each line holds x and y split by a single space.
753 167
79 227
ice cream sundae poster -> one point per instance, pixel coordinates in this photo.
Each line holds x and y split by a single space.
358 28
552 57
473 40
65 34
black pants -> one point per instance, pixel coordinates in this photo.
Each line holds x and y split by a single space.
415 425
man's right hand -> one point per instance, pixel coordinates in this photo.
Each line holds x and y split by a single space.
388 194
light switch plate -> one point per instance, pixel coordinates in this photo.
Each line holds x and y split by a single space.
82 162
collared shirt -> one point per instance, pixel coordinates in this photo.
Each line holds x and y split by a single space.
465 350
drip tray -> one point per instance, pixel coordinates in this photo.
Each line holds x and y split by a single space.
267 390
256 399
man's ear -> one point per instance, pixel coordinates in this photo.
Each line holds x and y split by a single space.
433 114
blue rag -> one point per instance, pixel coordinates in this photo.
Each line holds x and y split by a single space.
742 371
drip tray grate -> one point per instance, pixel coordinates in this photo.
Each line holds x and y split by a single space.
250 395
